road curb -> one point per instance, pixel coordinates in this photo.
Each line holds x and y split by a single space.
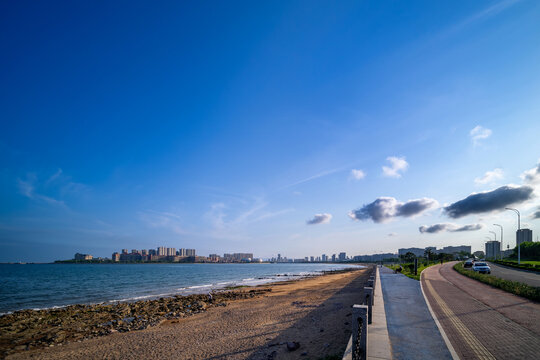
439 326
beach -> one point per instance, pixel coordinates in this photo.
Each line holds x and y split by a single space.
254 323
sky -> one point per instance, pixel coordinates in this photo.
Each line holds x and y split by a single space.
298 128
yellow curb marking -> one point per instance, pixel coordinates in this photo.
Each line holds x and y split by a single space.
476 346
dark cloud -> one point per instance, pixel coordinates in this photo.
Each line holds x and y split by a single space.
536 215
436 228
319 219
386 208
489 201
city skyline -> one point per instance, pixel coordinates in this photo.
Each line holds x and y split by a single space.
357 128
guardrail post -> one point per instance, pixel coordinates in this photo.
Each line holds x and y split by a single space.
359 332
369 301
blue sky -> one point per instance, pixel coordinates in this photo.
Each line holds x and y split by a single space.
237 126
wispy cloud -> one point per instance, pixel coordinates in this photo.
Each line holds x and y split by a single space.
398 165
489 177
479 133
313 177
28 188
384 209
167 220
480 16
358 174
320 219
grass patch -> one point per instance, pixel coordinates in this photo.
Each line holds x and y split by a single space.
531 265
514 287
408 269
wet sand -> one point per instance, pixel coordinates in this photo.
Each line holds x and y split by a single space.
314 312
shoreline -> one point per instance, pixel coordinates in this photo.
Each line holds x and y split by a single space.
34 329
171 291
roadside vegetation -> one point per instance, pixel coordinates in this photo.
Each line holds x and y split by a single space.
530 257
408 269
525 265
430 258
514 287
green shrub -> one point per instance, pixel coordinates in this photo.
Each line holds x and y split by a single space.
514 287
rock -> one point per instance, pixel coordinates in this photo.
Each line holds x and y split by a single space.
292 346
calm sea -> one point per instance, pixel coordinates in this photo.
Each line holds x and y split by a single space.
38 286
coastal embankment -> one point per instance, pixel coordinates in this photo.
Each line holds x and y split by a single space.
290 319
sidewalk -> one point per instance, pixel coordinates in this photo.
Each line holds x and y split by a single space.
413 332
472 315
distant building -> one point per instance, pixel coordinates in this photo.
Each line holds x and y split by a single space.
312 259
493 249
324 258
455 249
342 256
237 257
333 257
171 252
82 257
162 251
115 257
374 257
125 251
415 251
191 252
523 235
152 252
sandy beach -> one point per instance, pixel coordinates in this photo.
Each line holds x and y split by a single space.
313 312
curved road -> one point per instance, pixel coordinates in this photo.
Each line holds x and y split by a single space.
508 273
479 321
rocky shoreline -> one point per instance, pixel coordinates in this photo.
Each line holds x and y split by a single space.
33 329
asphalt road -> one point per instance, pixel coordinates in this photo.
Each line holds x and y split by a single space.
480 321
507 273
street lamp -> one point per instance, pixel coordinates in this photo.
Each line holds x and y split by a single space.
502 248
519 227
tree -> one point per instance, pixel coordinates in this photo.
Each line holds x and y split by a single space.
408 257
429 254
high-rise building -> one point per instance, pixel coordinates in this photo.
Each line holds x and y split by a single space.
493 249
115 257
125 251
312 258
191 252
333 257
523 235
171 252
152 252
162 251
342 256
324 258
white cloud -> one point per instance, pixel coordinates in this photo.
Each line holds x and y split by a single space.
320 219
479 133
398 166
489 177
358 174
532 176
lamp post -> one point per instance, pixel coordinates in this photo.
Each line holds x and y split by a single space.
519 227
502 248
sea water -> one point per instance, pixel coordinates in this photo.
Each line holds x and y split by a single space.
39 286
